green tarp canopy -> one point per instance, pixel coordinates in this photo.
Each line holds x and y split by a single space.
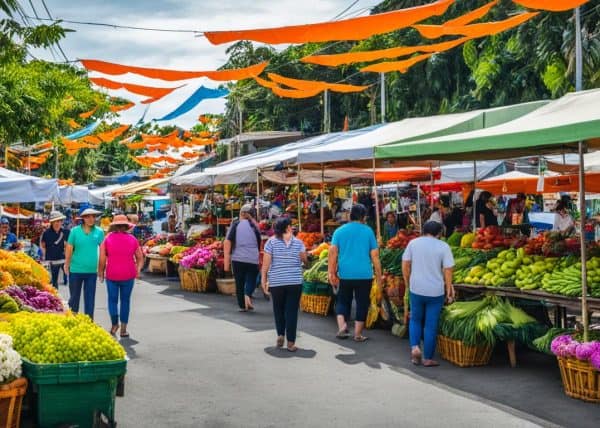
553 128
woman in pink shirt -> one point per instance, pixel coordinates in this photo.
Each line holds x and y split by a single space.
121 261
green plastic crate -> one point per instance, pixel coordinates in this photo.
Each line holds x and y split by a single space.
71 393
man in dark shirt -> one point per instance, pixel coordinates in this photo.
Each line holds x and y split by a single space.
52 244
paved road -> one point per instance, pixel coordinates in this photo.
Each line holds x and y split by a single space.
197 362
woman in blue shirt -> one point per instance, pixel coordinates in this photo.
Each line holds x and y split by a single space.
282 278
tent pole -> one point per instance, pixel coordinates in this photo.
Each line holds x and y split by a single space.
18 219
377 216
578 52
322 204
382 79
474 199
298 199
419 204
584 287
431 186
257 193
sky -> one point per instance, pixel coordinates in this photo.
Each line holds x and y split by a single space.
179 51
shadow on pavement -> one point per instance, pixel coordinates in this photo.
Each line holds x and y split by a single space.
128 344
534 387
284 353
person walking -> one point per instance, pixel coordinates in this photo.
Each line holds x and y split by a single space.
353 256
427 265
282 277
121 261
52 243
81 261
241 250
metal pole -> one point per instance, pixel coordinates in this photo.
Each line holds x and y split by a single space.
377 216
322 199
299 200
382 79
257 194
584 287
578 52
419 204
327 114
239 136
18 219
431 187
474 199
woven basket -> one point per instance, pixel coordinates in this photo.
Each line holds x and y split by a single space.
462 355
157 264
196 280
580 379
11 398
226 286
314 304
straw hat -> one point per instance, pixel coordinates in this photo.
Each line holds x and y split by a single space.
121 220
88 211
56 216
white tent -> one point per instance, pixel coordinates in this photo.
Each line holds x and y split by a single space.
100 194
362 146
16 187
68 195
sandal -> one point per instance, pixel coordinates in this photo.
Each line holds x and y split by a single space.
360 338
279 342
292 348
415 357
342 334
114 329
430 363
124 334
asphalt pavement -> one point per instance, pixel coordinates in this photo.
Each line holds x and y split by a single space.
195 361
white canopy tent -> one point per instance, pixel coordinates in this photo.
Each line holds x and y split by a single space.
68 195
101 194
16 188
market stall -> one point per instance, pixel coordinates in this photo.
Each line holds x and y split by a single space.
570 123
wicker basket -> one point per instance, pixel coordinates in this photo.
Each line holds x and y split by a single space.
157 264
458 353
314 304
580 379
11 398
196 280
226 286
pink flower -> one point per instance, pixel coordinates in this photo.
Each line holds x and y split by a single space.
585 350
595 360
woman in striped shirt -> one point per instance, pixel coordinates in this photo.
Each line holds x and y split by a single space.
282 278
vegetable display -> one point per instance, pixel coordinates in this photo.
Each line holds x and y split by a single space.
53 338
391 260
401 240
310 239
318 272
543 343
24 270
568 347
475 323
567 280
8 304
31 299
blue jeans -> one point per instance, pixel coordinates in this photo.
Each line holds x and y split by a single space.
424 318
87 281
115 290
286 300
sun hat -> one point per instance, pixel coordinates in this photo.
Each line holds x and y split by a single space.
55 216
121 220
88 211
4 220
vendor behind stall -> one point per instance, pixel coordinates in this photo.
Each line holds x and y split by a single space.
564 222
484 211
8 240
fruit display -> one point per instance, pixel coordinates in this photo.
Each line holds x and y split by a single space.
552 244
177 253
467 240
54 338
455 239
401 240
321 248
490 237
534 268
20 269
310 239
470 264
33 300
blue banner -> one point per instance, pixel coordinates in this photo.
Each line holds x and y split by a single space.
202 93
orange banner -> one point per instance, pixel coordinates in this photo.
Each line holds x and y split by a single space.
73 124
111 135
551 5
401 66
154 93
201 141
136 146
311 85
88 113
474 30
348 29
474 15
265 83
354 57
294 93
122 107
173 75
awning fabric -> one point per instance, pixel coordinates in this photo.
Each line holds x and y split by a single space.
551 5
173 75
68 195
549 129
295 93
98 195
368 56
348 29
83 132
474 30
154 93
202 93
28 189
401 66
474 15
528 185
139 186
384 175
122 107
362 147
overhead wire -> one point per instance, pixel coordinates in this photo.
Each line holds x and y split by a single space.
57 43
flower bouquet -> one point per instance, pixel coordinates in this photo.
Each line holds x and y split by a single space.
195 268
12 385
